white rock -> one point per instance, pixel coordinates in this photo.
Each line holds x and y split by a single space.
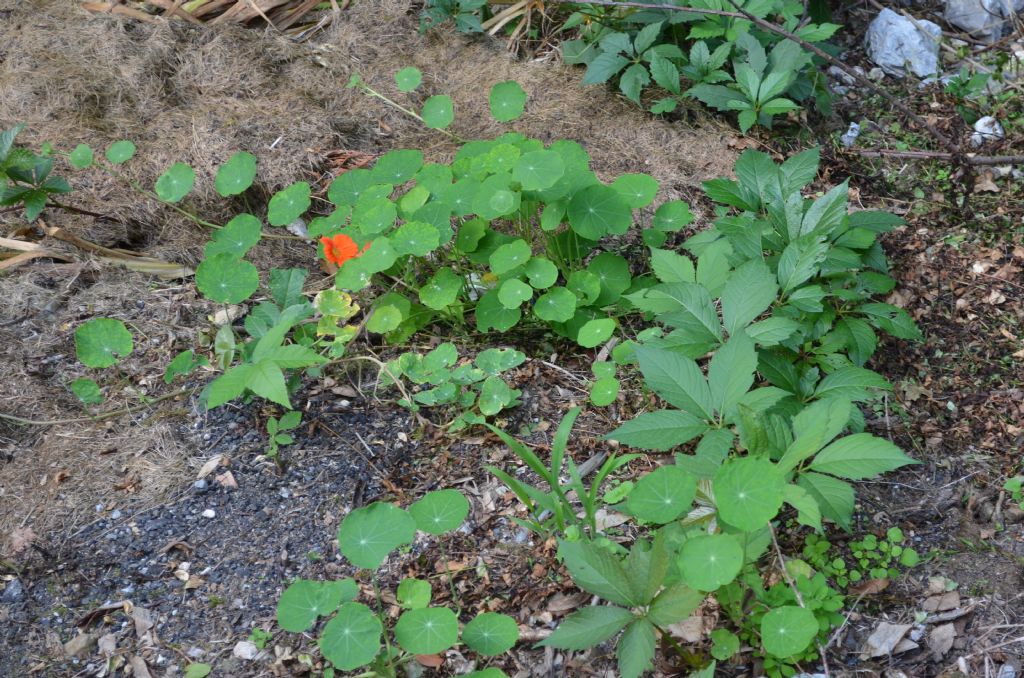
209 513
984 20
985 130
245 650
897 45
849 137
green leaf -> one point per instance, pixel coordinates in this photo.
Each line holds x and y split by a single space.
634 79
175 183
660 430
286 286
441 290
120 152
677 380
507 101
440 511
709 561
612 271
665 73
636 649
556 305
604 391
538 170
495 395
585 285
491 634
385 318
596 570
226 279
396 167
597 211
541 273
408 79
288 205
87 390
835 497
588 627
726 644
860 456
637 190
416 238
183 364
101 342
304 600
266 379
514 292
369 534
81 157
198 670
346 189
494 361
236 238
603 67
851 383
595 332
509 256
236 175
800 260
671 267
662 495
672 216
748 492
413 594
808 511
731 372
788 630
438 111
674 604
427 630
750 290
490 313
352 638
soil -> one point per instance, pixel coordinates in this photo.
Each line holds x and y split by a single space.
164 536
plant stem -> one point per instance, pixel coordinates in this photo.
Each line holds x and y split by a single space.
380 613
408 111
451 579
796 592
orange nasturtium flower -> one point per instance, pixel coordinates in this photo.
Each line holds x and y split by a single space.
340 248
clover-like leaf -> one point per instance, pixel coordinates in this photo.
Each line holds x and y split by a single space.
440 511
174 184
101 342
289 204
507 101
227 279
369 534
236 175
491 633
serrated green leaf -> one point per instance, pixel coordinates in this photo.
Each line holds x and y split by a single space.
860 456
636 648
596 570
674 604
588 627
660 430
731 372
749 292
678 380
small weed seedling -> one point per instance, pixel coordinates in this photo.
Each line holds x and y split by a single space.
276 432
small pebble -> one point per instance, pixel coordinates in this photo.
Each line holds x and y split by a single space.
115 514
200 485
285 494
209 513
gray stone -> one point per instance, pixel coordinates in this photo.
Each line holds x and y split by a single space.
985 20
897 45
849 137
986 129
200 485
13 592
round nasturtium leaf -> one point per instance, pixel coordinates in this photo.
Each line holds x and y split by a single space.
495 198
489 672
662 495
438 111
414 199
507 101
604 391
726 643
495 395
236 175
427 631
385 318
491 314
672 216
748 492
441 290
788 630
416 238
373 214
613 273
408 79
346 189
87 390
175 183
378 255
101 342
368 534
236 238
352 638
709 561
397 167
491 633
354 275
494 361
538 170
597 211
304 600
513 293
541 273
81 157
440 511
557 305
585 285
413 594
595 332
227 279
509 257
120 152
289 204
638 190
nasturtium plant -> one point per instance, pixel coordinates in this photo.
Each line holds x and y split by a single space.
175 183
491 633
507 101
427 630
440 511
87 391
304 601
225 278
352 637
289 204
368 534
236 175
81 157
408 79
120 152
102 342
438 111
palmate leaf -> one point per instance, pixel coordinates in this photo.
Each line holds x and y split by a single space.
636 649
674 604
749 291
731 372
678 380
588 627
598 571
835 497
860 456
660 430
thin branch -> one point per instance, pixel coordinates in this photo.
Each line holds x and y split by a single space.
939 155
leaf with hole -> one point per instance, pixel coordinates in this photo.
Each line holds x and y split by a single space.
236 175
369 534
175 183
440 511
101 342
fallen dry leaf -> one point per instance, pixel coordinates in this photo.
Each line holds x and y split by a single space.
227 479
79 645
942 602
20 539
430 660
107 644
139 668
984 182
869 587
211 464
143 619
